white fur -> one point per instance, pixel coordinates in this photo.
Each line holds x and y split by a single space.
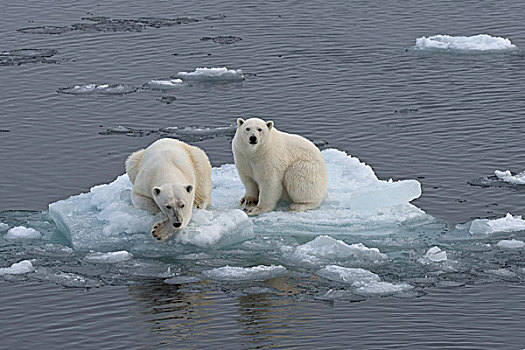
278 166
170 176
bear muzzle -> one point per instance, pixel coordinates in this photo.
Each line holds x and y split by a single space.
253 140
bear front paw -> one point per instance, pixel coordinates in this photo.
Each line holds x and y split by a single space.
248 201
162 230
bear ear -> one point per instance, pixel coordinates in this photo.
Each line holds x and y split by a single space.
269 124
240 121
156 191
189 188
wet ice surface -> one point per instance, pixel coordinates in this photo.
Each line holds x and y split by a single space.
366 240
205 74
187 134
475 43
99 89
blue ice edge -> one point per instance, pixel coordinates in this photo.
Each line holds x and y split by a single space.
358 203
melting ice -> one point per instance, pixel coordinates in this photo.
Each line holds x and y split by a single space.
366 239
212 74
481 42
518 179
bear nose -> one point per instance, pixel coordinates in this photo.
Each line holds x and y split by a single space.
253 139
177 224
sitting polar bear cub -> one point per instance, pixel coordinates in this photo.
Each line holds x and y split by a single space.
275 165
170 176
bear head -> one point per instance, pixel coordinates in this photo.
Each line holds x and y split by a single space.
253 132
176 202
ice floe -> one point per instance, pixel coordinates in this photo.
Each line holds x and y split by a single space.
3 227
22 232
480 42
108 258
235 273
510 244
518 179
508 223
18 268
100 89
163 84
357 202
212 74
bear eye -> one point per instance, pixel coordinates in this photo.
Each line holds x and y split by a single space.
259 129
247 129
168 207
182 205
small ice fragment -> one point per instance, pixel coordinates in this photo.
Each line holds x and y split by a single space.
182 280
352 276
18 268
435 254
108 258
510 244
518 179
165 82
233 273
212 74
507 224
382 288
3 227
481 42
21 232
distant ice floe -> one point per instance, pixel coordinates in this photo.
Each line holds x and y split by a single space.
518 179
222 40
108 258
20 57
476 43
101 89
508 223
212 75
3 227
163 84
510 244
19 268
365 282
234 273
21 232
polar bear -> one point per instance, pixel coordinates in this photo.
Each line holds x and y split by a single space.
274 165
170 176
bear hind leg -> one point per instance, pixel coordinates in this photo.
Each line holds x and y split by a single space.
305 184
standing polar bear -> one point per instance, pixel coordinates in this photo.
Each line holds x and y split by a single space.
170 176
274 165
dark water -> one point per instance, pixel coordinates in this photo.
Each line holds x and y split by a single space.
335 72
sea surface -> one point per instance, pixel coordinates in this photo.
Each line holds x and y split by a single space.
345 75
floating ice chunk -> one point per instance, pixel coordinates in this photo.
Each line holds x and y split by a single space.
327 249
435 254
21 232
507 224
3 227
518 179
105 219
510 244
163 84
234 273
481 42
382 288
18 268
212 74
103 89
66 279
108 258
353 276
182 280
